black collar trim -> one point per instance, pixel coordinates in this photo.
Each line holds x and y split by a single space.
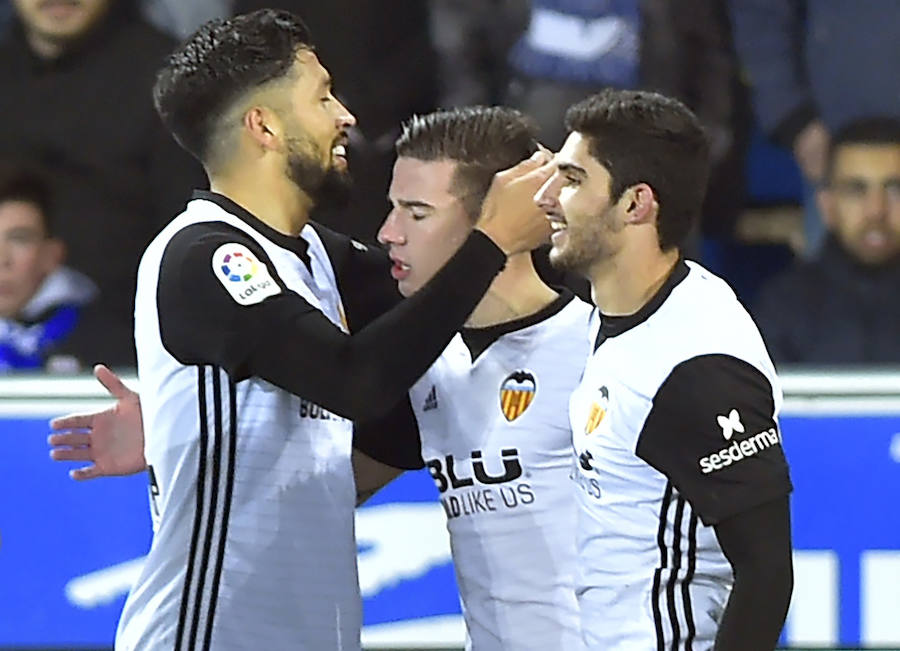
296 244
477 340
612 326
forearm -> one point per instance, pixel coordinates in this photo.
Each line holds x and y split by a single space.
757 543
360 377
757 608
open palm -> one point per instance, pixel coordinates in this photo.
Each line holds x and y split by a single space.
112 439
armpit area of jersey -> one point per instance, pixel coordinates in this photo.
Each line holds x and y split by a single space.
712 432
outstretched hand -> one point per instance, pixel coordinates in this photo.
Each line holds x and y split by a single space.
112 439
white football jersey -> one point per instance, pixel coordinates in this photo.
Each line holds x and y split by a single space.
495 436
253 492
675 429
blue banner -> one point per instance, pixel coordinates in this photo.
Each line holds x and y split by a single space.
69 551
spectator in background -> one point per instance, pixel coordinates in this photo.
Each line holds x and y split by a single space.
541 56
815 66
180 18
843 306
75 79
41 302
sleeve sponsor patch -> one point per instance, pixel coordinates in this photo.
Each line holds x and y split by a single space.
242 274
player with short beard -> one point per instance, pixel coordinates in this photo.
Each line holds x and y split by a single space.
671 555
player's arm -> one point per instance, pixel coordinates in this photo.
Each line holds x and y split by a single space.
278 336
384 447
371 475
111 439
712 431
757 543
363 274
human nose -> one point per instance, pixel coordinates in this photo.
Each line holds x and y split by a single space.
5 255
344 119
390 231
876 204
547 197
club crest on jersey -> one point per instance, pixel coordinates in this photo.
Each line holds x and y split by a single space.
245 278
598 411
516 393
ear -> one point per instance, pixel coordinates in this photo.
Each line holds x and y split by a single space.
263 127
54 254
640 205
825 201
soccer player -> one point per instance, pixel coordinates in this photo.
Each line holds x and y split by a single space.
250 378
684 532
490 413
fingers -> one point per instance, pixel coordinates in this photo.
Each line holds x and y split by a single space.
539 174
70 440
111 382
539 158
81 474
71 454
73 421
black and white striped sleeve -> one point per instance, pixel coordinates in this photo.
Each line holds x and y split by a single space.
285 340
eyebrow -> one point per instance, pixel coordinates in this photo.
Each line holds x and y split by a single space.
571 168
410 203
326 82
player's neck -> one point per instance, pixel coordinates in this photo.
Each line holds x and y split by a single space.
623 284
271 198
516 292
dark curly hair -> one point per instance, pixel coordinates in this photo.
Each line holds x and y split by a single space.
220 62
481 140
645 137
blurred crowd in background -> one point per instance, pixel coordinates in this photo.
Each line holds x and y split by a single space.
801 100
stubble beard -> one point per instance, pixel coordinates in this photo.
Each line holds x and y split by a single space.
328 187
586 247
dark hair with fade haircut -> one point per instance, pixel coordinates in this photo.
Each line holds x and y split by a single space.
25 182
875 130
217 64
645 137
481 140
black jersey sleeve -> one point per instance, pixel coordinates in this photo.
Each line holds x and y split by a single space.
712 431
285 340
368 291
392 439
363 277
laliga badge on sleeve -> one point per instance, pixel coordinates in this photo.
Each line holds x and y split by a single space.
245 277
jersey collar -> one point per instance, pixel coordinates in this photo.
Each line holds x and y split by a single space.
612 326
296 244
478 339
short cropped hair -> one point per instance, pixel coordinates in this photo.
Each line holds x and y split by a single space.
24 182
218 64
876 130
645 137
480 140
